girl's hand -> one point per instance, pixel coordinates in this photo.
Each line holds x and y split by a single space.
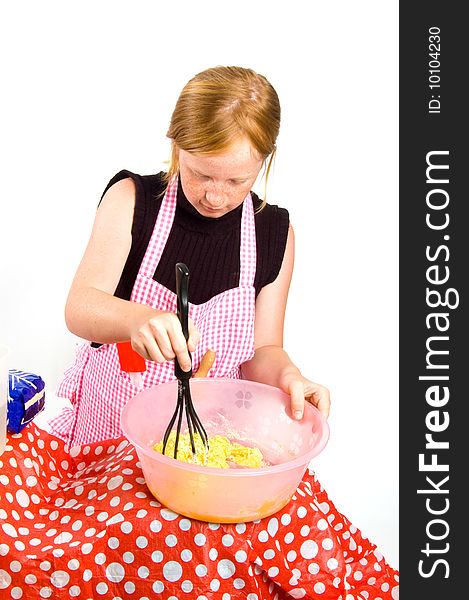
301 389
160 338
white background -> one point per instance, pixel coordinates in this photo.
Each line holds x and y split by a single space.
90 90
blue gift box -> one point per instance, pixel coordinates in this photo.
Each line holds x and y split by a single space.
26 399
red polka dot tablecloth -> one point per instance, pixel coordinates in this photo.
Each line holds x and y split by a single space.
81 523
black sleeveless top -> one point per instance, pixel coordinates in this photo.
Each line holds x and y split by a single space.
208 246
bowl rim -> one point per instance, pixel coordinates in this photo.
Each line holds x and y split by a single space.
304 459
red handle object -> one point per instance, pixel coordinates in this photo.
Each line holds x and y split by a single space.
130 361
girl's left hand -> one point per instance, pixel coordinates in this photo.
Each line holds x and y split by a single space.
301 389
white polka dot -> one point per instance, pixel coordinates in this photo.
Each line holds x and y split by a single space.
74 591
73 564
45 565
16 593
313 568
172 571
291 556
213 554
285 519
45 592
76 525
272 526
269 554
332 564
115 482
22 498
115 572
141 513
201 570
226 568
87 575
200 539
297 593
128 557
171 540
126 527
100 558
63 538
60 578
324 506
241 556
158 587
239 583
157 556
309 549
155 526
102 516
30 579
168 515
322 524
141 541
263 536
327 544
113 543
184 524
5 580
129 587
15 566
289 538
115 519
86 548
143 572
187 586
90 532
227 540
301 512
252 596
114 501
102 588
240 527
319 587
9 530
395 593
214 585
186 555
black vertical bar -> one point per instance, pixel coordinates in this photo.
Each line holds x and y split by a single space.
433 299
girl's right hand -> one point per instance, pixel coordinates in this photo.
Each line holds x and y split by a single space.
159 337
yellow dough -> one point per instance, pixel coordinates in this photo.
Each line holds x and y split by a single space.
222 453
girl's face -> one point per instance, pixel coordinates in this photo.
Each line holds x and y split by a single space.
215 185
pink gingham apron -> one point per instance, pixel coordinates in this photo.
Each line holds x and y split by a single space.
96 384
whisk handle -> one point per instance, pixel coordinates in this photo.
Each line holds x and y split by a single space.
182 292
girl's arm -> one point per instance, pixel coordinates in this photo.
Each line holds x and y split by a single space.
92 311
271 364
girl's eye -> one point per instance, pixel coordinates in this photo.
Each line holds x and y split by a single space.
201 177
237 181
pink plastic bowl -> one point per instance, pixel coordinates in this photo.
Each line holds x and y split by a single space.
253 414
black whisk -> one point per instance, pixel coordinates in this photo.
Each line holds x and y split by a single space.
184 399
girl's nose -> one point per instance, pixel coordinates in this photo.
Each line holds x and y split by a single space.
215 196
